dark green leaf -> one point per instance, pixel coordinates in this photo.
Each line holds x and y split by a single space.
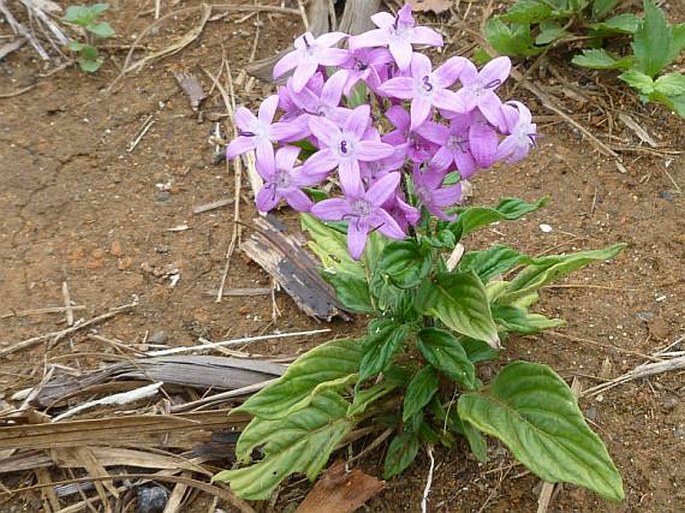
301 442
364 398
678 43
475 438
601 59
420 391
351 290
652 41
535 414
401 453
384 340
600 8
444 352
621 24
328 366
491 262
509 209
405 263
478 351
459 300
517 320
549 32
527 11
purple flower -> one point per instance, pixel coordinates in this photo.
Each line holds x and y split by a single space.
309 54
283 181
408 142
479 89
345 147
425 87
398 33
362 210
259 132
522 132
326 102
364 64
469 142
431 194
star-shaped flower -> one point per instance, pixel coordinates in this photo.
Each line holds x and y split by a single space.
431 193
308 55
362 210
398 33
522 132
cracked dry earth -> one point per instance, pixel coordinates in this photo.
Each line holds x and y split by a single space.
76 206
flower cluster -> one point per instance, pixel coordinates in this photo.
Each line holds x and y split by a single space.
399 134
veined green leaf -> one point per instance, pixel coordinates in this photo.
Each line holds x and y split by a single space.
330 245
401 453
444 352
459 300
473 436
652 41
405 263
420 391
527 11
350 289
513 40
509 209
547 269
678 43
491 262
600 8
670 84
598 58
384 340
478 351
550 31
638 80
330 365
620 24
364 398
518 320
301 442
534 413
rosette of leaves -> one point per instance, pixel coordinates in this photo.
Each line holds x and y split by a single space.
86 17
416 369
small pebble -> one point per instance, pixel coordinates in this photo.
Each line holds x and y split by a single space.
545 228
645 316
591 413
158 337
666 195
152 499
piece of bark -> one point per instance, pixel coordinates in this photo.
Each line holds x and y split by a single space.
356 17
199 371
339 491
282 256
191 86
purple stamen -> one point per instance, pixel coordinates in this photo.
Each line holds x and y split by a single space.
245 133
493 84
426 84
343 146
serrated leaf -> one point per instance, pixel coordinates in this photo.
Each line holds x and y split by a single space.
459 300
598 58
670 84
327 366
638 80
491 262
600 8
384 340
444 352
405 263
535 414
548 269
420 391
509 209
549 32
621 24
401 453
301 442
102 30
527 11
652 41
515 319
514 40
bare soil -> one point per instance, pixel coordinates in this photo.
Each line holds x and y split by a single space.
77 206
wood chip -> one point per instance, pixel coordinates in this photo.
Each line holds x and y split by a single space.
192 87
437 6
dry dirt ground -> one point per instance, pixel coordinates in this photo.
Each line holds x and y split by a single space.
77 206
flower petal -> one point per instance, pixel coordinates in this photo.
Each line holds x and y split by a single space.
321 162
386 224
327 132
244 119
425 36
265 153
349 175
286 157
375 37
496 71
448 73
304 71
333 56
420 66
357 233
267 198
401 51
329 39
491 107
297 199
331 209
267 110
333 88
373 150
383 189
469 74
483 144
420 110
398 87
358 121
240 145
446 99
383 20
286 63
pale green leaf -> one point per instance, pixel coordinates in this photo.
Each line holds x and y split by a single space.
535 414
601 59
527 11
638 80
620 24
299 443
670 84
489 263
330 245
459 300
351 290
328 366
514 40
102 30
652 41
444 352
509 209
515 319
420 391
549 32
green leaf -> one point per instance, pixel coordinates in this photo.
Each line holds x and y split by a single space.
90 65
401 453
78 15
420 391
518 320
358 95
330 245
351 290
301 442
652 41
620 24
405 263
509 209
535 414
678 43
384 340
102 30
325 367
75 46
473 436
600 59
444 352
478 351
491 262
527 11
600 8
638 80
670 84
364 398
99 8
513 40
548 269
459 300
549 32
